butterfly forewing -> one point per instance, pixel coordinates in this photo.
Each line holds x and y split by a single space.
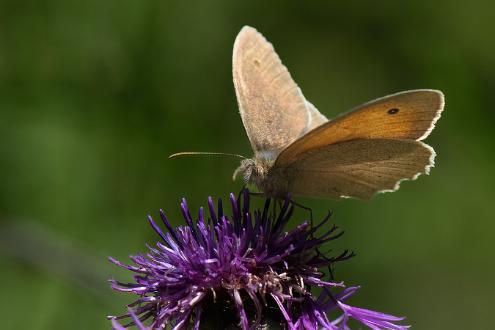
316 118
406 115
358 168
273 109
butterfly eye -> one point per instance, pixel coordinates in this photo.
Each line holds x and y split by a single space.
393 111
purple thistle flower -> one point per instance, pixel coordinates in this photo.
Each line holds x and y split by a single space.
244 267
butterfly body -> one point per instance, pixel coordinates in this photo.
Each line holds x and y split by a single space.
260 172
254 170
298 150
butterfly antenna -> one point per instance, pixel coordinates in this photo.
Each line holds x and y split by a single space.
199 153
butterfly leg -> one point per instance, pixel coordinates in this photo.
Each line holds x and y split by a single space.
310 211
313 230
318 252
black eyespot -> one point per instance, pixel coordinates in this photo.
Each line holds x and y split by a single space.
393 111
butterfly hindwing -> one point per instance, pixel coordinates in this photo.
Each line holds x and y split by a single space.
358 168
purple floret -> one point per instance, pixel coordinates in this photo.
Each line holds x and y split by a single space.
246 260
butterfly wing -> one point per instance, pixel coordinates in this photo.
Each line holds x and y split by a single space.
358 168
273 109
407 115
367 150
315 117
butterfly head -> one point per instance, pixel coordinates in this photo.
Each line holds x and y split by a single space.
254 171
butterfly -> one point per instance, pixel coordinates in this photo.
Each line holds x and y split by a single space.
297 150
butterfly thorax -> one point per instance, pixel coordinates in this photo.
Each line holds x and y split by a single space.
254 171
260 172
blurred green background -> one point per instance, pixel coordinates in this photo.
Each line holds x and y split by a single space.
95 95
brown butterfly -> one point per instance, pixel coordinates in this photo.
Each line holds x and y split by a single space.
370 149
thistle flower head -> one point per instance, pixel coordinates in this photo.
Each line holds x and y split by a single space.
245 264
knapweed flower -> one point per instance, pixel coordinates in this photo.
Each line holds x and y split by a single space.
242 270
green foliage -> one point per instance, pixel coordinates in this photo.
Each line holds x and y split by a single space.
95 95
